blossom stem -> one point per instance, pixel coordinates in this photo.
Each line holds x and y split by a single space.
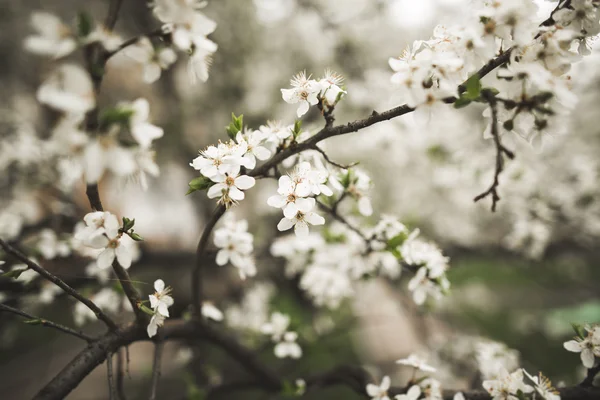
60 283
45 322
131 41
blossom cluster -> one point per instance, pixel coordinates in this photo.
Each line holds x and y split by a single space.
222 166
235 245
293 198
308 92
160 302
277 329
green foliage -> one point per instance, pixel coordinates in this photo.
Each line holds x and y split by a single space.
34 321
128 224
235 126
85 24
297 128
115 116
199 183
15 273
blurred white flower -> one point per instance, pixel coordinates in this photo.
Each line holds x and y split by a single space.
379 392
53 38
304 91
69 89
153 60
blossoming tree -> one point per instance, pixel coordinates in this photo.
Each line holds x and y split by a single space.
498 58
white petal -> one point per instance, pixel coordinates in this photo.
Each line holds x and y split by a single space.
216 190
152 73
106 258
244 182
285 224
261 153
159 285
123 256
572 345
301 229
302 109
222 257
314 219
290 210
385 383
305 205
236 194
587 358
277 201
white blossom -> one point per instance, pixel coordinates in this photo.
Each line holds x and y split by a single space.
506 386
414 361
412 394
379 392
589 347
68 89
304 91
211 312
153 60
53 38
161 300
288 346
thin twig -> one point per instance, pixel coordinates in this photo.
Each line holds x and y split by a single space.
501 151
158 350
113 14
343 220
60 283
109 374
44 322
330 161
197 281
133 40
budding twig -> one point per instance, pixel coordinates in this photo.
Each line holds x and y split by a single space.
335 164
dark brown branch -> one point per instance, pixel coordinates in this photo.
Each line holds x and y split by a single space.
590 376
197 281
109 376
355 126
501 151
44 322
58 282
158 350
94 197
113 14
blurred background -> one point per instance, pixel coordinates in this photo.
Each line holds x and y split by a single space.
519 276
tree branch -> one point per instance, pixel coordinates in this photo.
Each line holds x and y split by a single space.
131 41
113 14
46 323
120 375
501 151
109 376
197 281
591 375
58 282
158 349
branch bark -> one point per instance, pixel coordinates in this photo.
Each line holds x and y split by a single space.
58 282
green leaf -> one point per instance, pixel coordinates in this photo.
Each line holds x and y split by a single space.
34 321
199 183
297 128
135 236
235 126
397 240
85 24
128 224
461 102
473 86
579 331
15 273
120 116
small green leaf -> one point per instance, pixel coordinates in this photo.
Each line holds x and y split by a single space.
397 240
135 236
297 128
119 116
85 24
15 273
473 86
199 183
128 224
34 321
235 126
490 90
461 102
579 331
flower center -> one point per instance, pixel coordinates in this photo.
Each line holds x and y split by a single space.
229 181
